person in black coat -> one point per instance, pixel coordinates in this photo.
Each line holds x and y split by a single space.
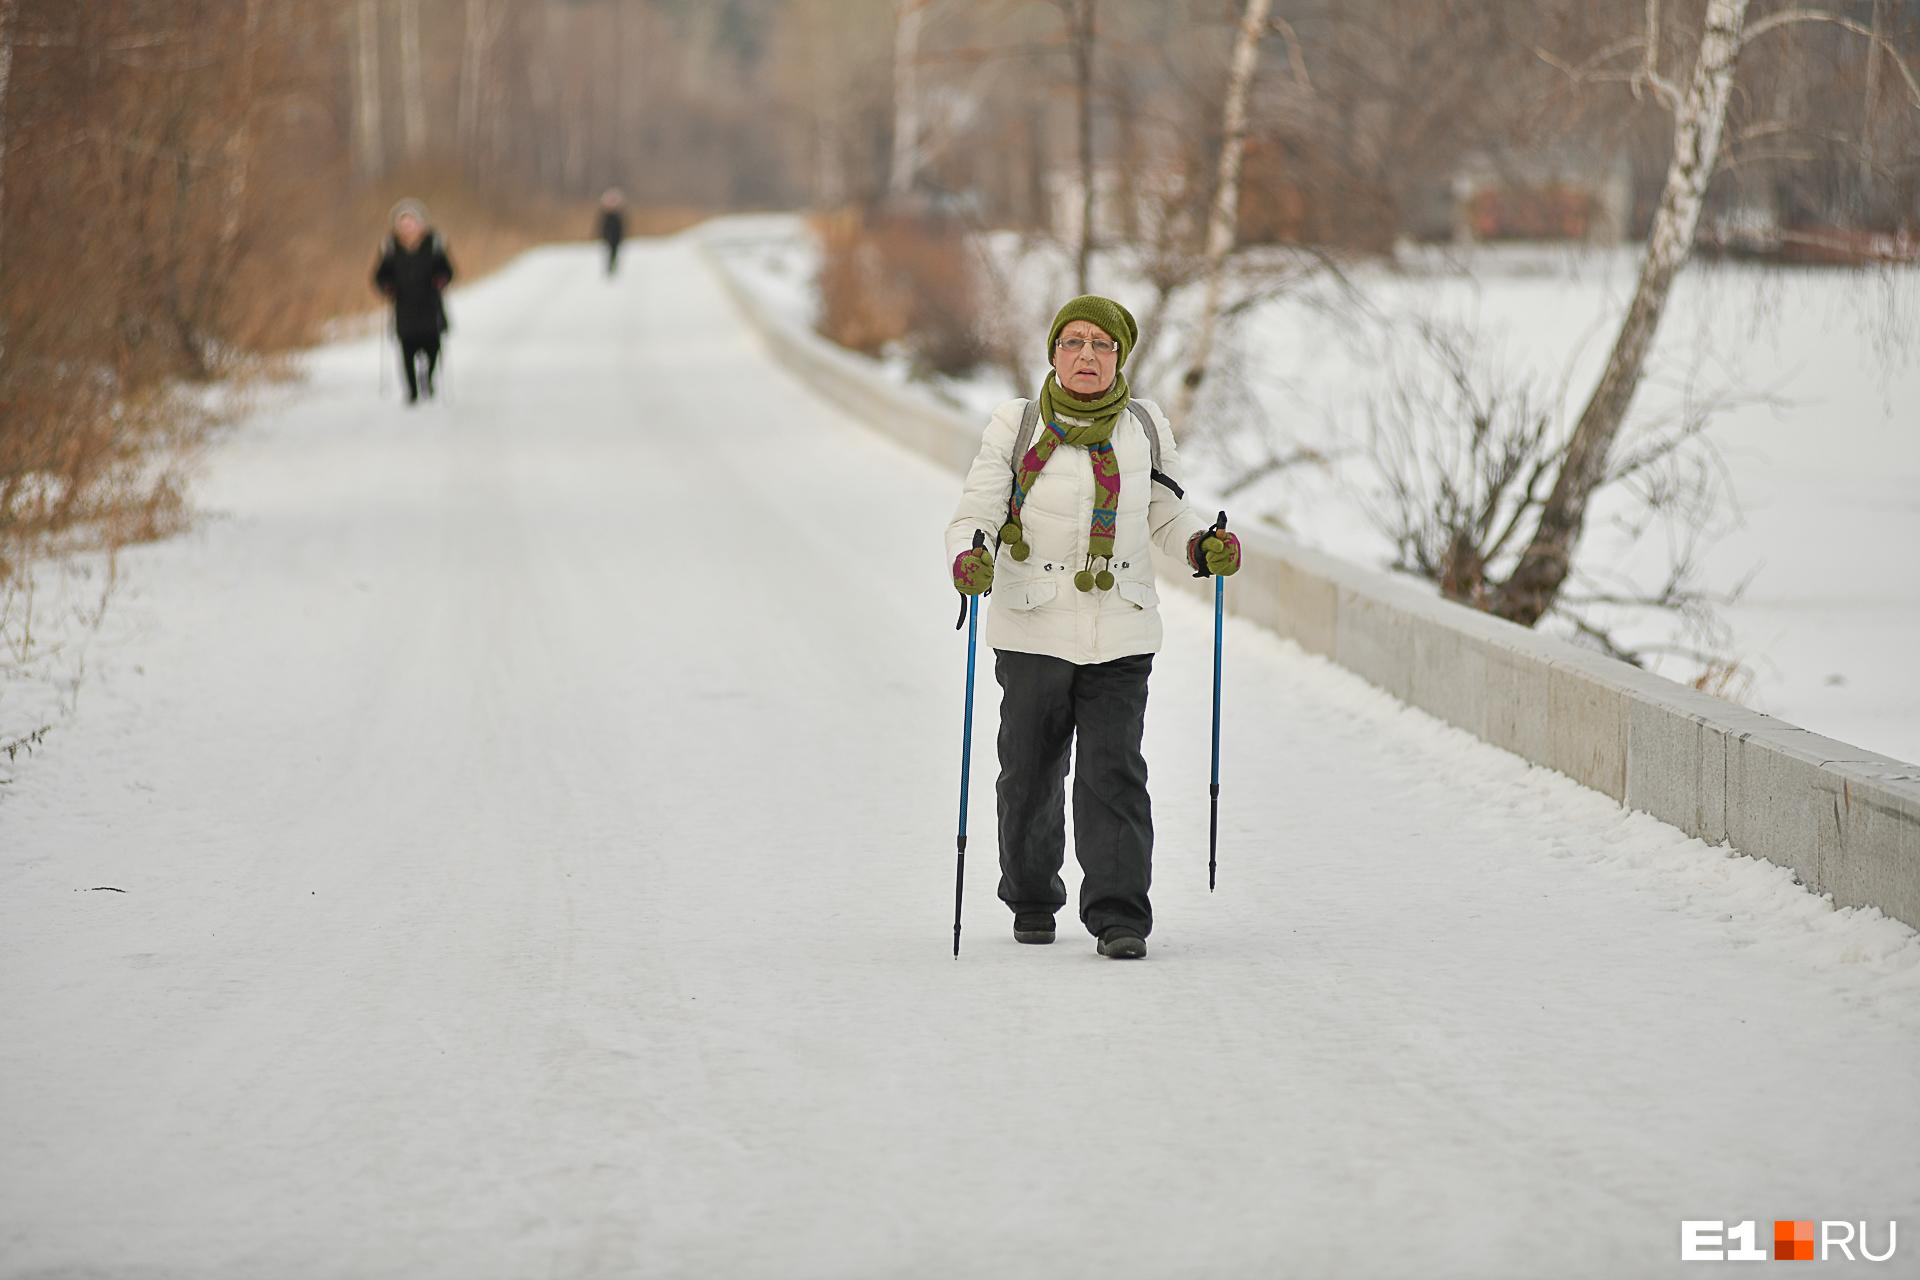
413 271
613 224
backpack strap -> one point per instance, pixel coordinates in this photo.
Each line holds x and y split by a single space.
1023 438
1153 443
1022 441
1145 419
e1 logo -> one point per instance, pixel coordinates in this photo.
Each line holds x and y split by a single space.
1705 1240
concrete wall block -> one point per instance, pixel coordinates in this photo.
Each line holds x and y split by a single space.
1313 606
1587 727
1869 854
1257 593
1711 806
1373 640
1677 752
1283 597
1514 715
1449 675
1668 771
1784 803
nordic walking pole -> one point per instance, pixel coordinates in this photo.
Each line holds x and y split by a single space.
970 610
1213 789
386 352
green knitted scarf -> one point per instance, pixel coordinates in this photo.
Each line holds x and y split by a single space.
1067 419
1057 404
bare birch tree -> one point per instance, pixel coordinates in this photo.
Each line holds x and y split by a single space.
1225 210
904 169
413 88
239 149
369 131
1699 121
1081 34
484 19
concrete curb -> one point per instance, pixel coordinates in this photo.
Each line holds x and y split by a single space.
1846 820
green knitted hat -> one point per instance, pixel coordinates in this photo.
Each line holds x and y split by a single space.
1105 312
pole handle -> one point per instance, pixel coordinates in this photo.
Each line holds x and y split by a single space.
979 540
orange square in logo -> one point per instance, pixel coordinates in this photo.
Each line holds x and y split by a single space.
1792 1241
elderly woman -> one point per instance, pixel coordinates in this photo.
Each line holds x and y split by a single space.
1076 488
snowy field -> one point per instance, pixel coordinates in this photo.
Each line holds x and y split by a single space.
1817 438
513 838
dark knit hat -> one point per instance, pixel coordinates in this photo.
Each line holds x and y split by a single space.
1105 312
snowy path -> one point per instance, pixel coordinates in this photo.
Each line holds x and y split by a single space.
535 820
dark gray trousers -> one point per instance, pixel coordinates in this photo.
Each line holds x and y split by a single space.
1045 705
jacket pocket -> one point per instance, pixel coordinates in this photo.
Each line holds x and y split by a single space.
1022 596
1140 595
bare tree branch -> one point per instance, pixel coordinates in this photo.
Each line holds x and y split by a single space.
1793 17
1296 59
1595 70
1649 74
1304 455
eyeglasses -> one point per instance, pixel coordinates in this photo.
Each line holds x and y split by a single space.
1101 347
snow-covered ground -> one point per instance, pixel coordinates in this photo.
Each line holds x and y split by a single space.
514 838
1819 434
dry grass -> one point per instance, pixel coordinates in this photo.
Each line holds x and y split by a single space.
856 311
95 472
887 280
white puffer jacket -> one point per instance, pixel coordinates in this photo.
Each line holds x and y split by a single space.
1035 607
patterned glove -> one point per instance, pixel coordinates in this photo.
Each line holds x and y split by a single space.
1212 552
973 571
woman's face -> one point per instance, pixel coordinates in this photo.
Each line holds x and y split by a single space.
1086 373
409 231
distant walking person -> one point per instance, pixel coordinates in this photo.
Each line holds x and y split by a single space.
413 272
613 224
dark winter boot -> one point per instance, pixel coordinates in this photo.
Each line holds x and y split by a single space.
1033 926
1120 943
